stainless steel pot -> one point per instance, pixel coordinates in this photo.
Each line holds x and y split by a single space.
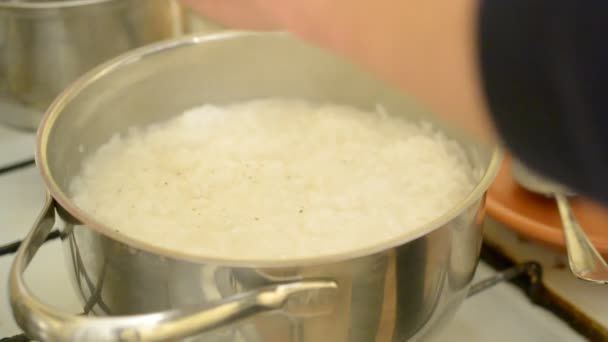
45 45
399 290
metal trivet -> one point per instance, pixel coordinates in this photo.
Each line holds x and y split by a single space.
540 295
16 166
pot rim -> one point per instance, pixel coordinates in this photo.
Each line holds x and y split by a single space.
50 5
124 60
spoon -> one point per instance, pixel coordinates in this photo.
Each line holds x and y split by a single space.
585 261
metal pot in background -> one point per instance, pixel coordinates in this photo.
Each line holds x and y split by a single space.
45 45
402 289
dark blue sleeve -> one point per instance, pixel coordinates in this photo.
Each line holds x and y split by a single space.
544 66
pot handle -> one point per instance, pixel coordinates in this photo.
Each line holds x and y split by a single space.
44 323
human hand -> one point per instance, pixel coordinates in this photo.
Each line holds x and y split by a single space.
235 14
426 47
324 22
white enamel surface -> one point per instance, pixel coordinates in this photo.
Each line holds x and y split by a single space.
504 314
15 146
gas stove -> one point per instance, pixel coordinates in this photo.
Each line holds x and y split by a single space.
555 307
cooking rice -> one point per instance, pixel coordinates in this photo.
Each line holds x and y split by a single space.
271 179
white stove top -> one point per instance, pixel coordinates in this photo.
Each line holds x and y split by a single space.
499 314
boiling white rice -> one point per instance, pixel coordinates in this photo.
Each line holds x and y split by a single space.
272 179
